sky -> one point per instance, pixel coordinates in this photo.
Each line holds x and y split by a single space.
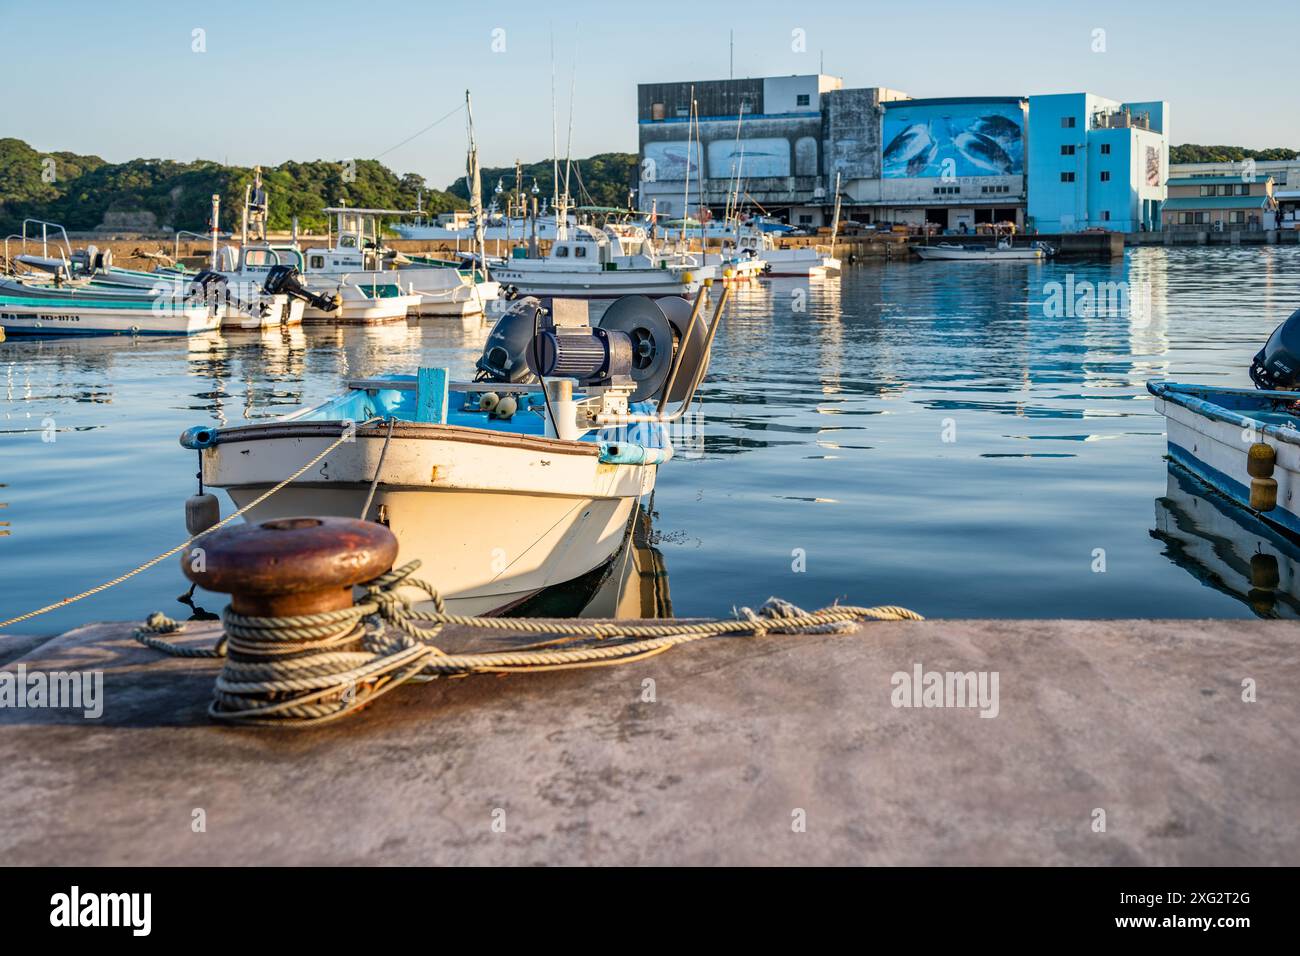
279 80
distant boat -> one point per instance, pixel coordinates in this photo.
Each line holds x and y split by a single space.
1003 250
616 261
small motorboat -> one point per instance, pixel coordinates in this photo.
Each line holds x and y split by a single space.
524 479
185 314
1244 442
979 252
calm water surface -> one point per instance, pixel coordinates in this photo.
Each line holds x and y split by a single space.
826 413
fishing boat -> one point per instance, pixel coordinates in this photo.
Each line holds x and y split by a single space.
1001 251
162 315
524 479
593 263
251 307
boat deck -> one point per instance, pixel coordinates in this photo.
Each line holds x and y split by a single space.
1143 719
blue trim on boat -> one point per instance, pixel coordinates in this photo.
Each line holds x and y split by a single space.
53 332
1242 407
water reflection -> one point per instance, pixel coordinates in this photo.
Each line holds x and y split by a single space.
634 584
1227 548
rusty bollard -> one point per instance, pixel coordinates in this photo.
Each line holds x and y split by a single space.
291 566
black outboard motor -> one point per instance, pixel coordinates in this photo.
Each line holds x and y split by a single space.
284 279
1277 366
503 358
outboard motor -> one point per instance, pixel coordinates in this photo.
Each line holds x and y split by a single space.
503 358
1277 366
284 279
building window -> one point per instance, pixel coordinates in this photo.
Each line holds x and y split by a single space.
1067 122
580 252
1105 175
801 99
805 220
1067 150
318 262
1105 215
1105 149
1067 177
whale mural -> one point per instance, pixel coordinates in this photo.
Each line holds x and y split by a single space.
957 139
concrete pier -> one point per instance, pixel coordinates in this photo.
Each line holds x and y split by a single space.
774 749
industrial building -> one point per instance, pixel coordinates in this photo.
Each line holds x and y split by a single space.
1044 163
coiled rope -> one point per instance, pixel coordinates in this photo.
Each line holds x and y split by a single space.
311 669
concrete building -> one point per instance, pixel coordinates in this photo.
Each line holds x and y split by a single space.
768 131
1220 204
1096 163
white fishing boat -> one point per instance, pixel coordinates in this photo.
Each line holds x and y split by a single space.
162 315
500 487
593 263
1001 251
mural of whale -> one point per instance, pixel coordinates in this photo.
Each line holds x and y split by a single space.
984 152
913 149
1003 130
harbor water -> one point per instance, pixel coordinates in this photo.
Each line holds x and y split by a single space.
965 439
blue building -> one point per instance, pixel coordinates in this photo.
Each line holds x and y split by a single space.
1096 163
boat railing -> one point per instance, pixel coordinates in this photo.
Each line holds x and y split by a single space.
176 245
45 238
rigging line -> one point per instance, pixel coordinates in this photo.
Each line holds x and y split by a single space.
421 132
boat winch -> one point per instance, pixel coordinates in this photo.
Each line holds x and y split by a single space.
635 343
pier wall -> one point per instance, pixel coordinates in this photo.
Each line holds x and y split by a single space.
750 750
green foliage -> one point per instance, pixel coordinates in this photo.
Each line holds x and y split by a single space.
1192 153
602 180
85 188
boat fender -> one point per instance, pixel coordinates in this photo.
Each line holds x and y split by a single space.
200 436
488 401
202 512
505 408
1260 459
1263 494
688 277
630 453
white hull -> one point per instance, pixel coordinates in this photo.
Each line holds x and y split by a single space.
492 517
1212 443
56 318
799 263
598 284
979 254
358 308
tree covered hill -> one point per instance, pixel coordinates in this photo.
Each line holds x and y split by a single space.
1192 153
82 192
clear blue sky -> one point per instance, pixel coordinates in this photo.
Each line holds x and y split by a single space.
330 80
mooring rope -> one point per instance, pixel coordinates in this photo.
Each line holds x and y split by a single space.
310 669
347 435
